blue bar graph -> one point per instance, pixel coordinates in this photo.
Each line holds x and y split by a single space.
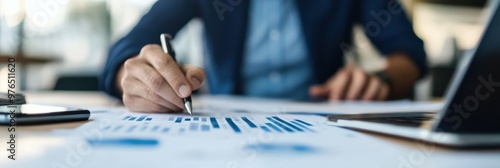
233 125
265 128
155 128
131 128
117 128
193 127
288 124
205 128
144 128
274 127
178 120
300 125
303 122
141 118
279 124
214 122
106 128
250 123
238 125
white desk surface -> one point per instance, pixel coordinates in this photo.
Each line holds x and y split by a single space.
396 153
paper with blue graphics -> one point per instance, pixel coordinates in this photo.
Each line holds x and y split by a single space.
204 123
119 138
213 139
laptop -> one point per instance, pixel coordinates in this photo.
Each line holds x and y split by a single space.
471 115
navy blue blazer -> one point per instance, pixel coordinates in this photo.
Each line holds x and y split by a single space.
327 25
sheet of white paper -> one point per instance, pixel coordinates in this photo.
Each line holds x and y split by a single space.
126 139
242 104
210 139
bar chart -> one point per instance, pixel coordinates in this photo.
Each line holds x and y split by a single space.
182 124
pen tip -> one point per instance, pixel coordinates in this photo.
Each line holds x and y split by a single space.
189 108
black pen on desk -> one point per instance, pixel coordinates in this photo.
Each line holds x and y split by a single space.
166 44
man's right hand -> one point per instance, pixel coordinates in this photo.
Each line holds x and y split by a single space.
154 82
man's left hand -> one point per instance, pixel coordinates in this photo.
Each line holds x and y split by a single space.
352 83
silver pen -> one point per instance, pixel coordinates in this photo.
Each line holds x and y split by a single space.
166 44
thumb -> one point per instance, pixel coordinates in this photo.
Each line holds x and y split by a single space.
319 91
196 75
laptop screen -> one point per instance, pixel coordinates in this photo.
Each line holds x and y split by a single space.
474 106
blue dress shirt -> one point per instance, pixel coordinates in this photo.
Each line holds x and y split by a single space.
276 63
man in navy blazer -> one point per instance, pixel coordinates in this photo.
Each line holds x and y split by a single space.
268 48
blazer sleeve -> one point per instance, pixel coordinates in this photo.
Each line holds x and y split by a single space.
165 16
388 27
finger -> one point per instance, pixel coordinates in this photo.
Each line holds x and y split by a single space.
371 89
319 90
134 87
357 84
139 104
338 84
383 93
196 76
154 81
168 68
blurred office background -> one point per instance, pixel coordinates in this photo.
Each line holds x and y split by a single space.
63 44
